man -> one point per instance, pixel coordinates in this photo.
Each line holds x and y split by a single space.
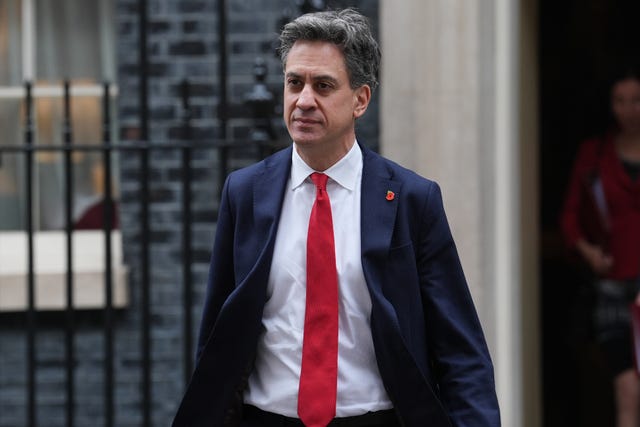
337 303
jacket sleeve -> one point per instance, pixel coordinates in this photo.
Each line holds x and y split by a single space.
459 353
584 164
221 279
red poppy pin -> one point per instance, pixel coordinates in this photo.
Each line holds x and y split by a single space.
390 195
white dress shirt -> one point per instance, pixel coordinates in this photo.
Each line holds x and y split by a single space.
273 384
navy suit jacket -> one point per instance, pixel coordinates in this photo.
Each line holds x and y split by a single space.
429 345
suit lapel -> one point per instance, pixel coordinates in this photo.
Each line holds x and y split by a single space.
379 206
268 193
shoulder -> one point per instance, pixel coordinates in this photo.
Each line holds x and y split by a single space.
386 168
595 146
591 151
419 198
248 174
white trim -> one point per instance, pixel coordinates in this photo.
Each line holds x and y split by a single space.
50 270
106 42
28 40
56 91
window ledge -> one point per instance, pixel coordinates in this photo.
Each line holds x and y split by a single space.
51 271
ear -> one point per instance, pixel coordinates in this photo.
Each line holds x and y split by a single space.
361 98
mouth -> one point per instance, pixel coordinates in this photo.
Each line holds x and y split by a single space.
305 121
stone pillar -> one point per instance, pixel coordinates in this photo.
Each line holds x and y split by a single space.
429 107
453 110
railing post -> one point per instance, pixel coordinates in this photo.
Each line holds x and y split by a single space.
31 313
145 344
67 137
223 152
186 232
108 277
261 102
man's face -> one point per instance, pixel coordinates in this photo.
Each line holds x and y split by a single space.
320 107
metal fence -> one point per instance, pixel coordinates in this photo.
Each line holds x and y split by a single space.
143 149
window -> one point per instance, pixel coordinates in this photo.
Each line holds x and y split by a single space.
46 42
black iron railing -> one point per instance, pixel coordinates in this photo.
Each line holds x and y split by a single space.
107 149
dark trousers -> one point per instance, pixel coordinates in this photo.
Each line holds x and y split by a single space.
255 417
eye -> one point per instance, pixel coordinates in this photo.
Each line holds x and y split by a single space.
293 82
324 86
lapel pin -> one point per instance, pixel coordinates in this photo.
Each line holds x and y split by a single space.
390 195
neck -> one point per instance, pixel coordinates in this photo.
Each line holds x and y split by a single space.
629 137
321 158
628 146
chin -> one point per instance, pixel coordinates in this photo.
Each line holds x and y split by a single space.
306 142
303 138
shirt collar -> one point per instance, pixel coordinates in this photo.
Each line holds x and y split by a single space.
345 172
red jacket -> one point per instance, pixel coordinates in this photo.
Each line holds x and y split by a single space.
622 197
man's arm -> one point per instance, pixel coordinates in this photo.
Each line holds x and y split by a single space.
458 349
221 280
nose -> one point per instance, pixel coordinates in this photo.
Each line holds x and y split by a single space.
306 98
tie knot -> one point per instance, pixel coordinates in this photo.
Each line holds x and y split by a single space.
320 180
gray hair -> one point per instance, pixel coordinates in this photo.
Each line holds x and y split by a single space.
349 30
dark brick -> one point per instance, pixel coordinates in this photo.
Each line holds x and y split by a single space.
126 28
159 27
188 48
191 6
200 26
203 89
159 69
163 112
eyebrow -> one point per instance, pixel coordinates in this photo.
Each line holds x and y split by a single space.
321 77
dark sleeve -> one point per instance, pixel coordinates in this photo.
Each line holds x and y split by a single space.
221 279
584 164
462 364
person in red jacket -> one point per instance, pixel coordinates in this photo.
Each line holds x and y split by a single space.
606 177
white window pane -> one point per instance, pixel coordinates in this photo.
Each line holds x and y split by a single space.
11 117
10 43
74 39
11 167
86 126
11 197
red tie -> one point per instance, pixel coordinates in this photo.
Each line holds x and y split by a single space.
319 373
